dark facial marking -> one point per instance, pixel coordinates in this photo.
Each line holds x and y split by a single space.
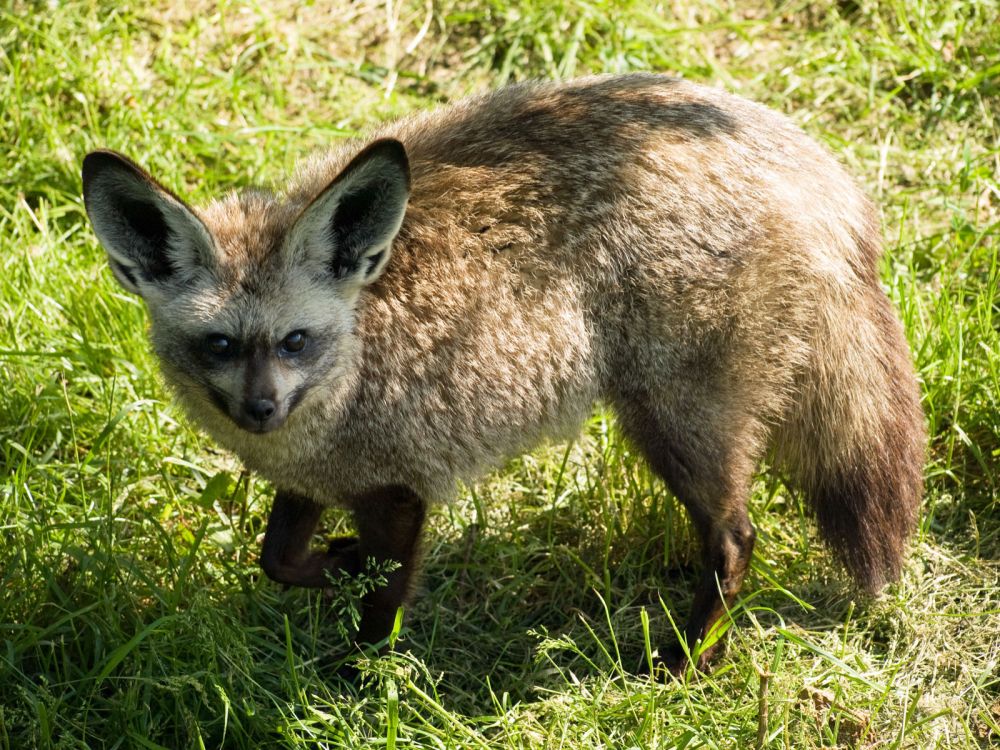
219 399
259 382
296 397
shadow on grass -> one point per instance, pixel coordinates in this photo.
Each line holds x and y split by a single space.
188 630
525 610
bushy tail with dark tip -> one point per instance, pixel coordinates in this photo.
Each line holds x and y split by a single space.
855 443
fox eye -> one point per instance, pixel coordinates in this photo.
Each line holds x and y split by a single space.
218 343
294 342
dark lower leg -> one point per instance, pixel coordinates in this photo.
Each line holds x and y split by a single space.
726 553
286 556
707 463
389 523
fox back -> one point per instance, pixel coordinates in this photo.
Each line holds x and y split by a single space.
419 306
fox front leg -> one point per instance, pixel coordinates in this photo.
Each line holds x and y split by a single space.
286 556
389 522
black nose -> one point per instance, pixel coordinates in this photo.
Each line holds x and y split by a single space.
260 409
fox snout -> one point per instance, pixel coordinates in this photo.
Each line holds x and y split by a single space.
255 413
256 398
261 409
261 415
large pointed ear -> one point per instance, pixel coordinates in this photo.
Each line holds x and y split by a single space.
151 236
348 229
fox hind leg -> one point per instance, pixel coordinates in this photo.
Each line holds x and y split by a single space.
708 465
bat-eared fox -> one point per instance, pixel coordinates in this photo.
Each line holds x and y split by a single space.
421 305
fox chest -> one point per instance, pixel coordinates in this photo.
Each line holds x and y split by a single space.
426 441
317 466
332 466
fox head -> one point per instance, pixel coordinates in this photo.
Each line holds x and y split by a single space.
252 300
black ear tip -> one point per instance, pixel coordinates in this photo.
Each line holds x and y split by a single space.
92 164
102 160
388 147
391 150
101 157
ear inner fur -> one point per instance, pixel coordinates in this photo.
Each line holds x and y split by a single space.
353 220
149 233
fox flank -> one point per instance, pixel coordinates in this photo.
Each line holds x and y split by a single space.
419 306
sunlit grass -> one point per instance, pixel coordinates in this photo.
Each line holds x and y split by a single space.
132 610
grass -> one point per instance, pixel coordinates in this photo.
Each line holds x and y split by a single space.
132 610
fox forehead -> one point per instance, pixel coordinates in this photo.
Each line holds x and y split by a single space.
248 228
291 302
251 290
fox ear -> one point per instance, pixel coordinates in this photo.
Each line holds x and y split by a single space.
150 235
348 229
